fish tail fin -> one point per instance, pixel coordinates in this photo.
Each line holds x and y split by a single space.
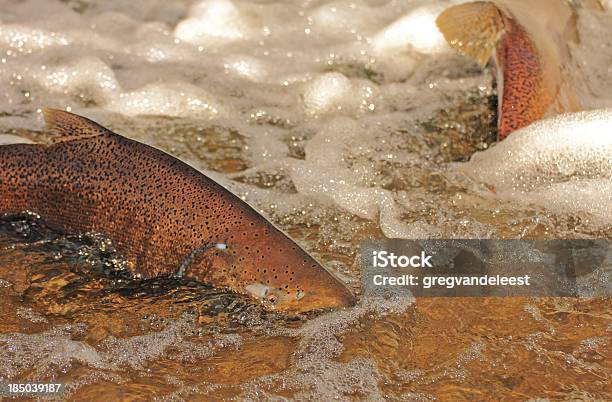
68 126
473 28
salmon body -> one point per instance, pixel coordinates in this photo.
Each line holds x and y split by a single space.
165 217
528 40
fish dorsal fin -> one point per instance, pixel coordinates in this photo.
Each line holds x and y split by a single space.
68 126
473 28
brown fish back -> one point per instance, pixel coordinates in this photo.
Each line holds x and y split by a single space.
162 214
523 96
110 184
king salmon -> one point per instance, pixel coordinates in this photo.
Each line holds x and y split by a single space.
165 217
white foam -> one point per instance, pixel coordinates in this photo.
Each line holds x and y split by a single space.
43 351
417 29
316 374
245 66
325 174
211 20
169 99
27 39
87 75
327 92
137 350
46 351
563 163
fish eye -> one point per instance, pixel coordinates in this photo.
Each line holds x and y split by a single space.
271 297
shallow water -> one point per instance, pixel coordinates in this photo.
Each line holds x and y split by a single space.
340 121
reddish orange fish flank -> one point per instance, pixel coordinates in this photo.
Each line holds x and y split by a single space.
529 40
164 216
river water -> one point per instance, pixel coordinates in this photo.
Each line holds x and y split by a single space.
340 121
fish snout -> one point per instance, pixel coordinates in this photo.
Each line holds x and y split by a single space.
314 288
268 265
319 297
295 283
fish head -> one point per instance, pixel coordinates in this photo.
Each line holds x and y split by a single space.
291 280
263 262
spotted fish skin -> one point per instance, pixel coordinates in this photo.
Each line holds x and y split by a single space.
523 97
161 214
528 40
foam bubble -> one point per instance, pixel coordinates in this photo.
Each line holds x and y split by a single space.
25 39
211 20
43 351
248 67
87 75
316 374
327 92
135 351
563 163
417 29
325 174
47 351
170 99
341 19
